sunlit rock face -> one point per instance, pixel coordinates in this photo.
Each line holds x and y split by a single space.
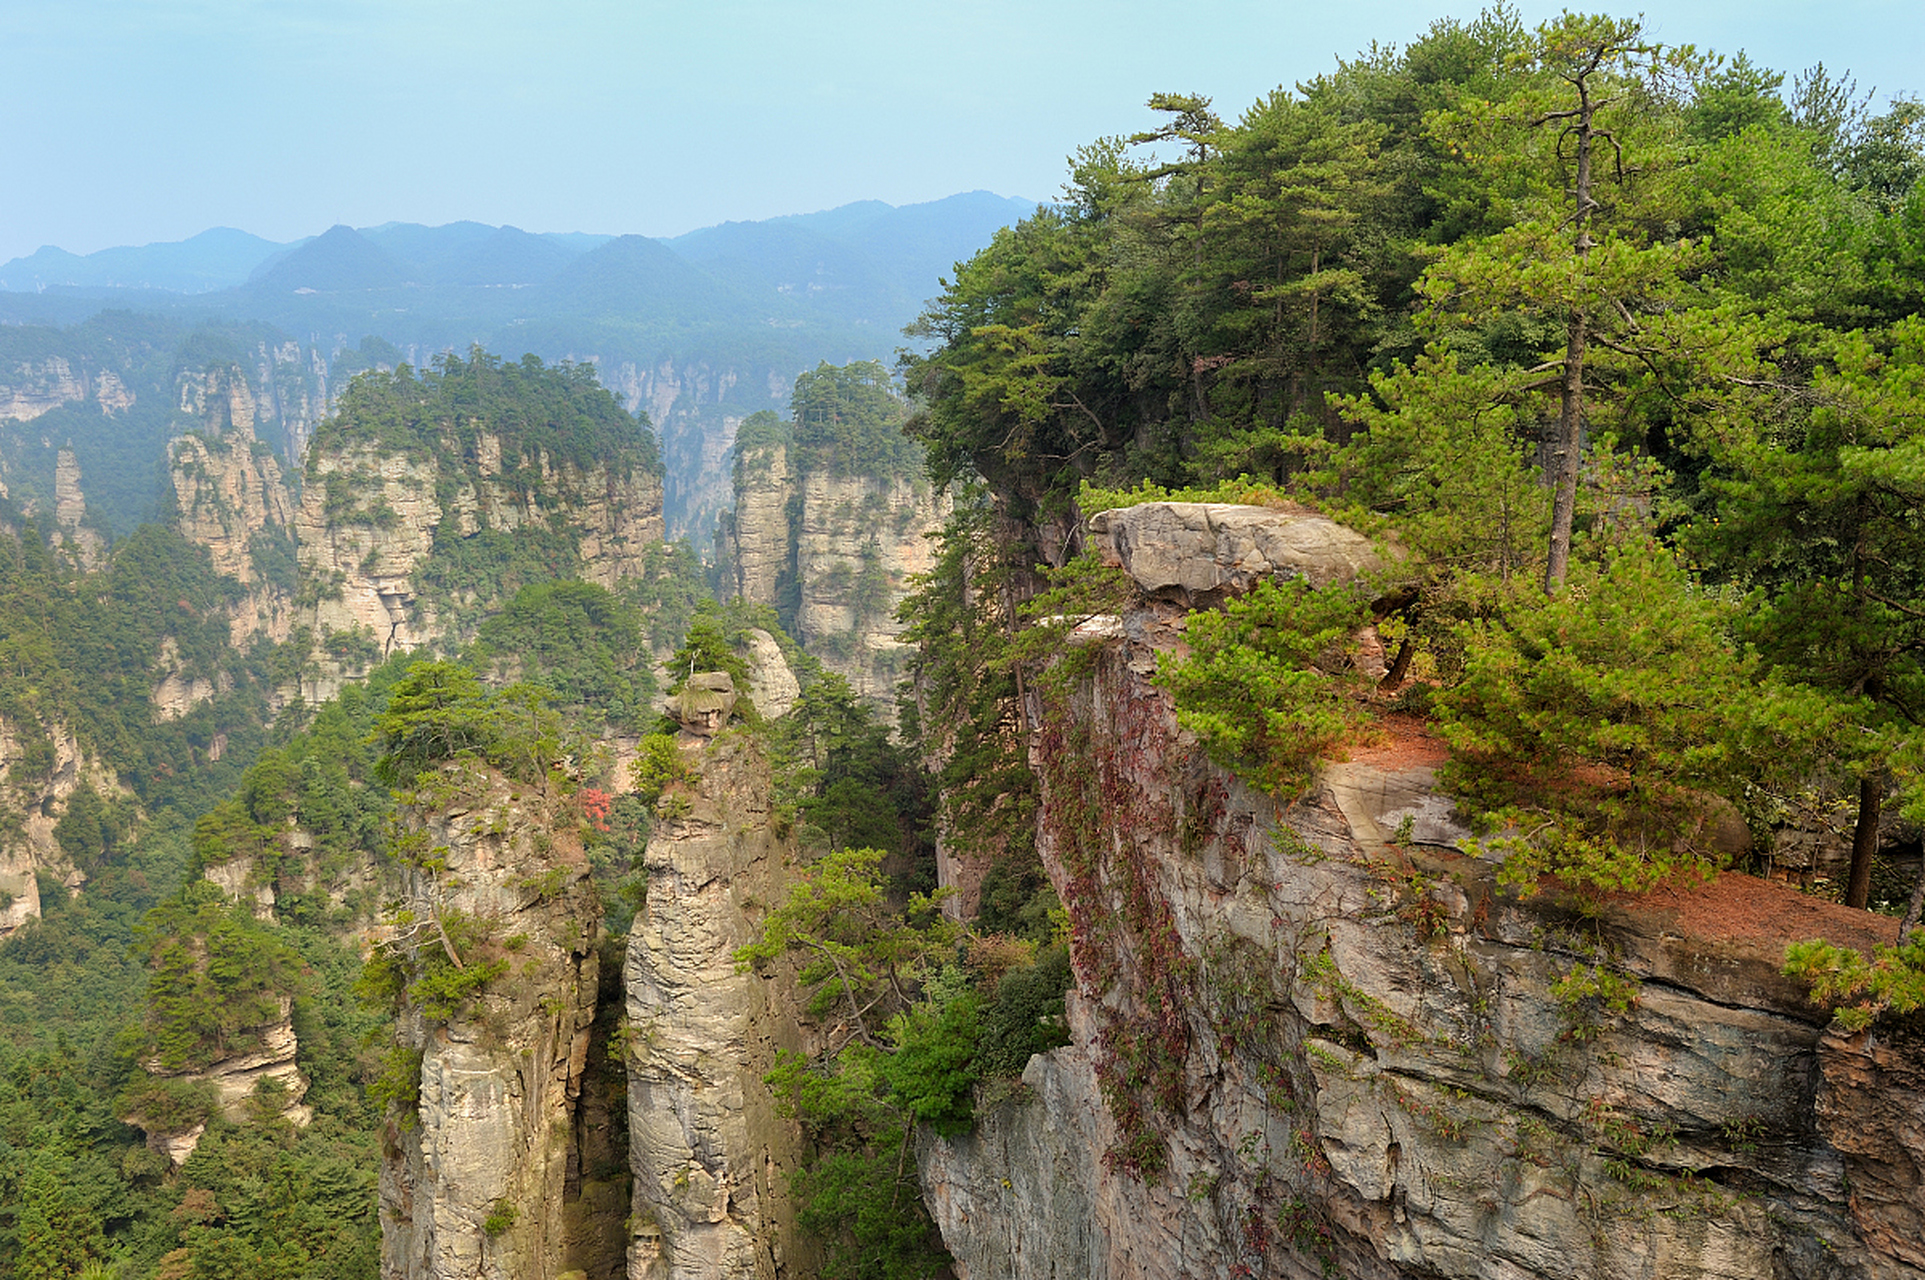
475 1181
710 1156
838 550
43 766
1317 1039
369 520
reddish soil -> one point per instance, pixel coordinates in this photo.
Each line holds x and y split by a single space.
1739 907
1733 908
1397 741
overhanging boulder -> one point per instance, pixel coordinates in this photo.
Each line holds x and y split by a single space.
1195 553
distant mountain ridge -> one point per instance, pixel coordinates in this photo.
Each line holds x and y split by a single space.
905 237
699 330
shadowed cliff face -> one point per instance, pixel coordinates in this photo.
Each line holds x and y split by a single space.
1317 1040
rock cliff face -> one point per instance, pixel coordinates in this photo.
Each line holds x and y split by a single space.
42 767
369 520
477 1183
710 1157
841 550
31 388
281 390
762 552
235 1080
82 543
1318 1040
230 497
696 408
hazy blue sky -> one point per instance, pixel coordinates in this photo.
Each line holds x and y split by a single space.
128 121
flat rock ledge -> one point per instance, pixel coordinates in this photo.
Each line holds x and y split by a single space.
1195 553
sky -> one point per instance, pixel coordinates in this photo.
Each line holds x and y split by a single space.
132 121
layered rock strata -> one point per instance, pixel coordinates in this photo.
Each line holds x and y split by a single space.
237 1082
476 1182
711 1157
43 766
369 520
841 550
1317 1039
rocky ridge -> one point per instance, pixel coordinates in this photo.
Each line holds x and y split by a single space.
1317 1039
475 1182
710 1155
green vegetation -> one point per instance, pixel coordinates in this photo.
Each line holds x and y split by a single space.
1250 686
559 412
1617 723
585 644
1583 324
848 422
1861 988
83 651
912 1035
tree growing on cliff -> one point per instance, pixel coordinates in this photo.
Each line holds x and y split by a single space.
1580 150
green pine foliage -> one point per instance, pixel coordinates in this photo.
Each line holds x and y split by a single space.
560 412
1615 722
847 422
1264 682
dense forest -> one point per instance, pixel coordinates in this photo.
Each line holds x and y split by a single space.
1593 328
1611 347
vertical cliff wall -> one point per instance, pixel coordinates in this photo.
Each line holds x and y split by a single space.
1317 1039
41 766
476 1179
710 1156
834 553
372 519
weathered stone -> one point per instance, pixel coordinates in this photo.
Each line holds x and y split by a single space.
711 1157
772 685
500 1080
1370 1067
364 557
41 797
237 1080
852 543
1195 552
704 702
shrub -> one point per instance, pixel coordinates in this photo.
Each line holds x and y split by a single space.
1251 687
1609 720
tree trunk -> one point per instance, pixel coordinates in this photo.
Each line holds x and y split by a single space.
1910 922
1864 842
1570 410
1400 665
1566 456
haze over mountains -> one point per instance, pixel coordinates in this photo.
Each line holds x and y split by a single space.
699 330
854 263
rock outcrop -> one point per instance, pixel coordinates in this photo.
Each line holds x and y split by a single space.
761 554
370 518
72 533
710 1156
33 387
42 765
281 386
1319 1039
237 1083
1196 553
476 1182
230 497
841 550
